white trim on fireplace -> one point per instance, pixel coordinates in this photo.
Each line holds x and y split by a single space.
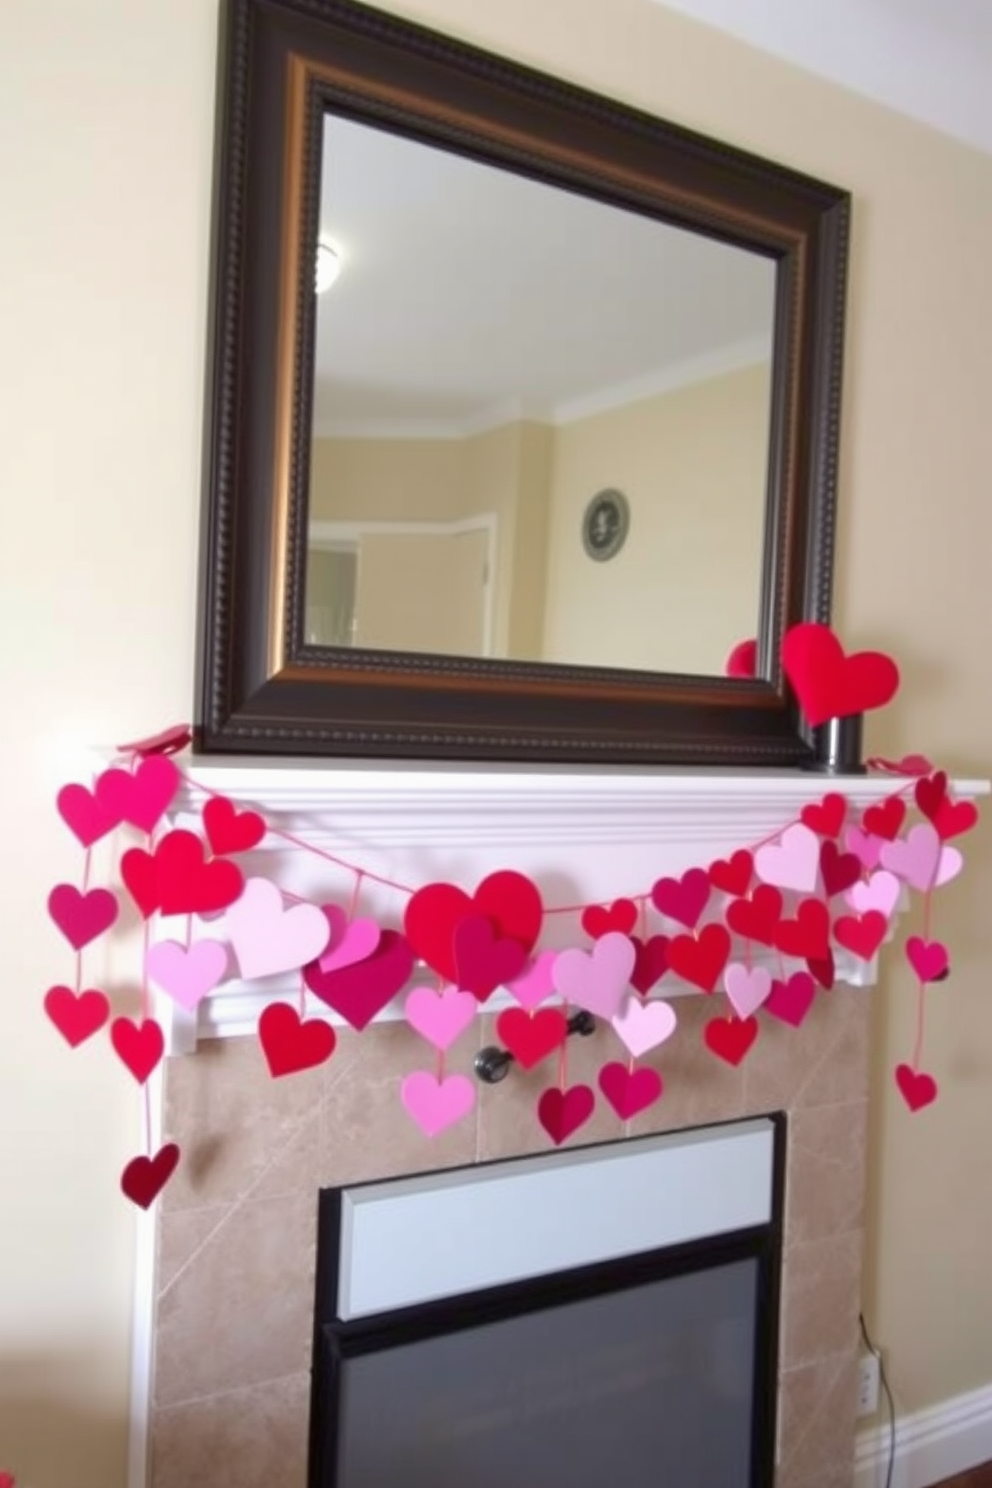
931 1444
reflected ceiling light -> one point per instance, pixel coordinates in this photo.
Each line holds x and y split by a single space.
328 267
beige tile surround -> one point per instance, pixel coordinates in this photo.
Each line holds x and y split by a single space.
237 1224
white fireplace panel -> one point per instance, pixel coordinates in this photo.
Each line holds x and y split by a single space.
442 1234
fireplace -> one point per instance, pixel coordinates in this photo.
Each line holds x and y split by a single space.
606 1313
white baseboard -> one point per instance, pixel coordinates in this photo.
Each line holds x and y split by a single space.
931 1445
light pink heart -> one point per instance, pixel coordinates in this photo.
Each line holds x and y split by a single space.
351 940
187 973
536 983
915 858
791 1001
791 862
436 1104
440 1017
881 892
747 987
928 958
596 980
641 1026
269 938
950 865
865 846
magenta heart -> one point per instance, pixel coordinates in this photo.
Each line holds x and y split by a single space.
629 1092
82 917
140 797
790 1001
792 861
916 1088
747 987
535 983
351 940
641 1026
187 974
928 958
269 938
359 992
880 892
865 846
485 960
916 858
436 1104
440 1017
596 980
682 899
83 814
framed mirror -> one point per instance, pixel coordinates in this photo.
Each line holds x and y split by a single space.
523 411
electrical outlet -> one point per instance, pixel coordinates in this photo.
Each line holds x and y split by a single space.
868 1383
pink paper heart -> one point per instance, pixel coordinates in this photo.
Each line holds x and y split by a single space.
351 940
269 938
535 984
747 987
916 858
928 958
791 862
187 974
880 892
142 796
82 917
440 1017
436 1104
950 865
865 846
641 1026
916 1088
790 1001
596 980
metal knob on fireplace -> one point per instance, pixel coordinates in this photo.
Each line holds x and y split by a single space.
492 1064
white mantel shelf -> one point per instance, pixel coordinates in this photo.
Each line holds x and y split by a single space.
585 835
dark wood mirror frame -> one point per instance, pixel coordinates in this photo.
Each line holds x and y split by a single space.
261 690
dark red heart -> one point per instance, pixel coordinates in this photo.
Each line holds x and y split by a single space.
531 1037
839 870
730 1038
76 1015
562 1112
682 899
291 1044
790 1001
885 818
630 1091
822 969
509 900
82 917
826 817
916 1088
756 918
930 793
600 919
140 796
954 817
700 959
483 959
139 1046
84 815
732 875
362 989
862 934
230 830
145 1177
651 961
830 684
808 934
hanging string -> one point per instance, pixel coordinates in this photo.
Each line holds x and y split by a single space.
921 987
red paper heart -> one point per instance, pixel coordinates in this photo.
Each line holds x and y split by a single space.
230 830
531 1037
630 1091
363 988
700 959
730 1038
732 875
757 918
885 818
483 959
189 885
910 764
139 1046
862 934
600 919
742 661
168 741
140 797
145 1177
682 899
808 935
916 1088
291 1044
839 870
822 969
140 875
955 817
84 815
930 793
509 900
562 1112
830 684
651 961
827 816
82 917
77 1016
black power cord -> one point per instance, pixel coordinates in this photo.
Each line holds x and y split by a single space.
877 1354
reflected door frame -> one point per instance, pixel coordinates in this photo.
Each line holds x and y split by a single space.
348 534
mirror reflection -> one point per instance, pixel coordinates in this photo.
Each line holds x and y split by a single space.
541 423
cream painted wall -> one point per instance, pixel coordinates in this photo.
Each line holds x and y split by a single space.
105 134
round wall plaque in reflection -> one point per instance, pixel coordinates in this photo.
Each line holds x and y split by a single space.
605 524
